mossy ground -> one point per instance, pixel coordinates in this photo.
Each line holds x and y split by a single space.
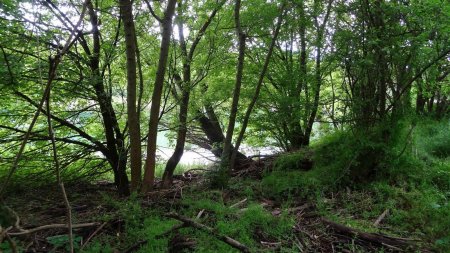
413 183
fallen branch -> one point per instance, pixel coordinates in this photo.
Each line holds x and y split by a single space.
34 230
379 239
299 208
228 240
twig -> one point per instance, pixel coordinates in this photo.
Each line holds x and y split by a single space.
370 237
51 134
381 217
199 215
230 241
239 203
34 230
245 209
93 234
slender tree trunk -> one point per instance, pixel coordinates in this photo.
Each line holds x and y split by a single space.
185 86
59 181
226 156
295 130
257 89
420 100
184 103
150 163
114 137
318 74
133 118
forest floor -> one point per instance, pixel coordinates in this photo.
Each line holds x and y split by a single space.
242 212
305 201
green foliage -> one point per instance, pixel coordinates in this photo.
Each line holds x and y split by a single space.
219 176
5 247
410 179
140 224
62 241
240 225
300 160
332 157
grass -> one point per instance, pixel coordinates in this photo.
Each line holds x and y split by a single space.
141 223
412 180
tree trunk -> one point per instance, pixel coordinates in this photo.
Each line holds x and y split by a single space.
420 100
257 89
150 163
237 90
184 103
114 138
320 30
133 119
185 86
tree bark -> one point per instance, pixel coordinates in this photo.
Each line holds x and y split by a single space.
184 103
185 94
150 163
114 138
226 155
257 89
320 30
133 118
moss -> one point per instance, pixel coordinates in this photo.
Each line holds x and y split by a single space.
300 160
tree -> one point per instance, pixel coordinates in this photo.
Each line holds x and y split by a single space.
132 111
150 162
227 149
185 85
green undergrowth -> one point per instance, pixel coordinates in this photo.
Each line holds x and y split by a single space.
139 224
248 224
409 176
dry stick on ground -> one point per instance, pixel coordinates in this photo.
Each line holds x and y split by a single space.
381 217
51 226
228 240
239 203
384 240
199 215
52 76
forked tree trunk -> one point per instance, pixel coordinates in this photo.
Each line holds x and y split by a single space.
257 89
185 94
